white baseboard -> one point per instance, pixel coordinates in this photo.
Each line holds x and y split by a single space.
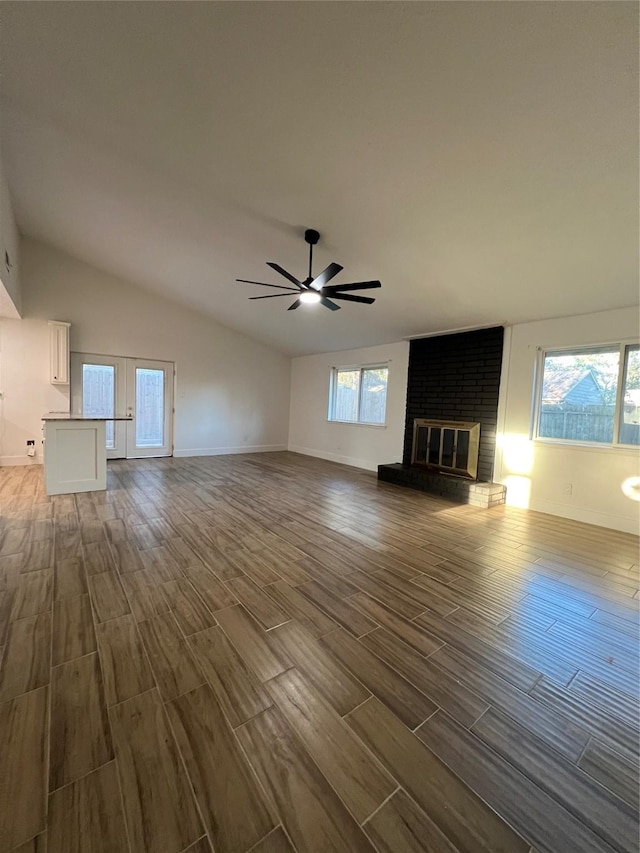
352 461
19 460
224 451
589 516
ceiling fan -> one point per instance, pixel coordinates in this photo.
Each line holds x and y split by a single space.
315 289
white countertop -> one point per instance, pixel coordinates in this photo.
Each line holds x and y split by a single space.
69 416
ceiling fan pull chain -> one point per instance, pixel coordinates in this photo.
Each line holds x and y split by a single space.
310 259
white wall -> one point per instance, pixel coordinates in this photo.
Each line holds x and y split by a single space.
10 299
536 472
232 392
352 444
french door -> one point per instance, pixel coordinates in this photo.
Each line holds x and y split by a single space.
103 386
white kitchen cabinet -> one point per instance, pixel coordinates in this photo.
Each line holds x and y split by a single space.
75 459
75 453
59 352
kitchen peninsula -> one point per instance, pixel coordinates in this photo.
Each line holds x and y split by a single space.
75 455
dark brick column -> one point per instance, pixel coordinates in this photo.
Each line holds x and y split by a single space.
457 377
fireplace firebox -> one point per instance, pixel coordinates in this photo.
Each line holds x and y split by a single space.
449 447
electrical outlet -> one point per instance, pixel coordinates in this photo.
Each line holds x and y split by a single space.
567 489
31 442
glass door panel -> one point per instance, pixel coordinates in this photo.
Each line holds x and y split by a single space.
150 401
149 407
434 446
447 447
421 445
108 385
98 395
462 452
98 390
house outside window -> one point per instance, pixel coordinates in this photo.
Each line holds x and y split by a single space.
590 395
358 395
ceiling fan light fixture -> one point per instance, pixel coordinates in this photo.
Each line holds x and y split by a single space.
314 289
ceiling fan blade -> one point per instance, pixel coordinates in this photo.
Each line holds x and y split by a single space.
357 285
295 305
264 284
368 300
269 296
283 272
326 275
329 304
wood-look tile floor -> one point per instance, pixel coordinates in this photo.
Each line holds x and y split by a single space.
272 653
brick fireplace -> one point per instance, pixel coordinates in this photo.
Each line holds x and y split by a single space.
453 379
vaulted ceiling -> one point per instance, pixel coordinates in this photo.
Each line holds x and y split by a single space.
481 159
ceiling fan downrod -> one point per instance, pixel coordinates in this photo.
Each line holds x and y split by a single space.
311 237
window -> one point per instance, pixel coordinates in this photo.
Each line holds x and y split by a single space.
590 395
358 394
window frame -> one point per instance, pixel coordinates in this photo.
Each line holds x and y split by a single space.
542 352
333 387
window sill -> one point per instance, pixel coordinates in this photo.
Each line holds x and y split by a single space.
585 445
357 423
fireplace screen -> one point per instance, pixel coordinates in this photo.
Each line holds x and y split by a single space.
448 446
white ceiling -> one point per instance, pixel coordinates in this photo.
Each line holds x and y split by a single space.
481 159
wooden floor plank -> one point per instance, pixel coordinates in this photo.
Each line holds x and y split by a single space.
107 596
123 658
301 609
559 731
340 689
39 555
73 632
37 844
399 602
260 605
189 610
342 612
459 813
312 814
69 578
27 655
230 801
621 705
510 667
358 779
254 566
275 842
98 558
586 715
159 563
237 689
595 806
87 814
402 697
33 594
145 598
532 812
401 825
158 805
252 643
80 733
612 770
125 556
417 638
437 684
23 751
171 660
211 590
